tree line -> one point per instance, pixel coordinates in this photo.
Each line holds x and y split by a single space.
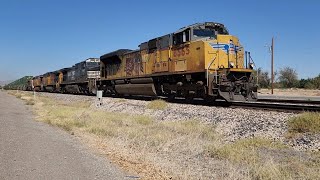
286 77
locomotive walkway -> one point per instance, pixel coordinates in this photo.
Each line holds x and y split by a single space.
34 150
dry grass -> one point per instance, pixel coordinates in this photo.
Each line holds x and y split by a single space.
267 159
245 152
308 122
24 96
174 149
133 135
120 100
231 151
30 102
158 104
140 130
17 94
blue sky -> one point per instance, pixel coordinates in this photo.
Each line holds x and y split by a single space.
37 36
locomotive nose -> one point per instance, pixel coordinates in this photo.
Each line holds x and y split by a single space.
230 51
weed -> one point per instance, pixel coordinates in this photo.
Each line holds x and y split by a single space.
144 120
157 104
30 102
252 153
18 96
101 131
308 122
120 100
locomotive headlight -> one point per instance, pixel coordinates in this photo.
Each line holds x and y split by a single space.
231 64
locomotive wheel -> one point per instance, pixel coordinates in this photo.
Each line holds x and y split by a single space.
189 98
210 99
171 97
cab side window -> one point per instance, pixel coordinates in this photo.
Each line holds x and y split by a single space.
152 45
181 37
102 70
164 42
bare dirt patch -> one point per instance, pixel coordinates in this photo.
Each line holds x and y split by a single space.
291 92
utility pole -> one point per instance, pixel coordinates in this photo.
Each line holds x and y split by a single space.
272 73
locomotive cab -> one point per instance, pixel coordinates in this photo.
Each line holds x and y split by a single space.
210 47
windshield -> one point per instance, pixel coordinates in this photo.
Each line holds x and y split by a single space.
203 33
209 31
92 64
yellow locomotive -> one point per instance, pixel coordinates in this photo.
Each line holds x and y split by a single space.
198 61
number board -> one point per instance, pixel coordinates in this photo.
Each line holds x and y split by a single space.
181 52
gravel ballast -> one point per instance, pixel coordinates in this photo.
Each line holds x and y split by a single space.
231 123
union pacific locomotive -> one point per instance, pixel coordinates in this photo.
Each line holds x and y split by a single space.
198 61
201 60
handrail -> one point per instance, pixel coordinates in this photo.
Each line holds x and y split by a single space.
250 59
208 71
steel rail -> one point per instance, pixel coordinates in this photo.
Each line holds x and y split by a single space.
294 101
278 106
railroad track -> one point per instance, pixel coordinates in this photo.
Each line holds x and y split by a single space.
262 104
279 106
294 101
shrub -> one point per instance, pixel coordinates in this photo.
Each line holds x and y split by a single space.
157 105
288 77
306 122
30 102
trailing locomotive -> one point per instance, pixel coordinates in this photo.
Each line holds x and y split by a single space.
198 61
80 78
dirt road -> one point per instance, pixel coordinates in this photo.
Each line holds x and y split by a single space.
34 150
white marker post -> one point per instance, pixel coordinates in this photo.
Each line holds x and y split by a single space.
99 96
34 91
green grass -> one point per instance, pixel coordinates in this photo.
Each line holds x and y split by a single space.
308 122
157 104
